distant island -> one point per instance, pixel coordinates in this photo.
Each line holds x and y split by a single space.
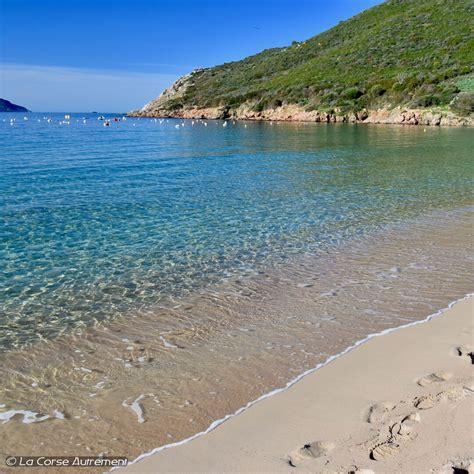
402 61
7 106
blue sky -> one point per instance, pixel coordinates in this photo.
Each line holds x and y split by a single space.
116 55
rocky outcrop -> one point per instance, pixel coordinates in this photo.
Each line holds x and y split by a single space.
418 117
295 113
165 100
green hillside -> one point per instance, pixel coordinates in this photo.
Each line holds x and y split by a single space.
418 53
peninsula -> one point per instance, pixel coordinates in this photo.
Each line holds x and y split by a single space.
7 106
402 61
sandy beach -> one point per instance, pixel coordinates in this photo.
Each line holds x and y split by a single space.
401 402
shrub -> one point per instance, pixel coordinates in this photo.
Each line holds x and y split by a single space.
275 103
398 87
260 105
352 93
174 105
463 103
466 84
426 100
377 90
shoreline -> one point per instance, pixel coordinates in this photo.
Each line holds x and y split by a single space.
166 376
231 427
294 113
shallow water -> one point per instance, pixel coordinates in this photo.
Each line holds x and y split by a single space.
101 221
207 256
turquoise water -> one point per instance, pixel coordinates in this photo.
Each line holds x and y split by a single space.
100 222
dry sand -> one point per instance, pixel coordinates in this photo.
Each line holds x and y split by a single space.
402 402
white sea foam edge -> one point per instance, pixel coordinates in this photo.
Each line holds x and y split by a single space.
219 422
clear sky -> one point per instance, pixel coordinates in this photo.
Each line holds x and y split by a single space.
116 55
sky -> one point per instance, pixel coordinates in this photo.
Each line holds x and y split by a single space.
117 55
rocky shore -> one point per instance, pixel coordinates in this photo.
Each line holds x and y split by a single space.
295 113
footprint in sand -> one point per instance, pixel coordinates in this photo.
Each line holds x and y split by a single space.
425 402
379 411
400 433
384 450
309 452
453 394
466 352
434 377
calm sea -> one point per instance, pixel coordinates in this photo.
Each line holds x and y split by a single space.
100 221
158 275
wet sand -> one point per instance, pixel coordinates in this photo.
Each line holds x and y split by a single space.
402 402
156 378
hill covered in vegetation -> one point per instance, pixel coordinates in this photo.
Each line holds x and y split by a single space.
401 53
